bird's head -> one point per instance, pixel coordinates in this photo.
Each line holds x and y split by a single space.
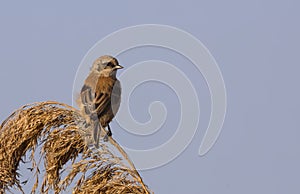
106 65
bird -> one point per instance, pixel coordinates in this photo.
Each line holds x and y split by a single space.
100 95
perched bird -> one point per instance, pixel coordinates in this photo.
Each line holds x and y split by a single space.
101 93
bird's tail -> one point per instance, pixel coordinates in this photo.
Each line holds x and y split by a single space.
96 134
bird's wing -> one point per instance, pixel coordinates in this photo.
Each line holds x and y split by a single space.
102 102
87 99
116 97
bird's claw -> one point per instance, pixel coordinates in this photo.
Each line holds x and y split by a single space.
108 134
105 139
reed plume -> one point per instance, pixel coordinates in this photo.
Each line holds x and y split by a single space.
62 136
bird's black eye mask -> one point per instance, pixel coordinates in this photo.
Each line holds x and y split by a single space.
109 65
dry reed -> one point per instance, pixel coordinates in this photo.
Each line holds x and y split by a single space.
63 136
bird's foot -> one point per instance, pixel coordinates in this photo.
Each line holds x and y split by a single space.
105 139
108 134
94 116
86 124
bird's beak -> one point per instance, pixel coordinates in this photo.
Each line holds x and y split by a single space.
118 67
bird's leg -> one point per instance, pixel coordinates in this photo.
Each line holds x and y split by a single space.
108 134
94 116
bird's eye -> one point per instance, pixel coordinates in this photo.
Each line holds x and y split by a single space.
109 65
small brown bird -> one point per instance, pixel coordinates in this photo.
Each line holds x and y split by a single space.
101 94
